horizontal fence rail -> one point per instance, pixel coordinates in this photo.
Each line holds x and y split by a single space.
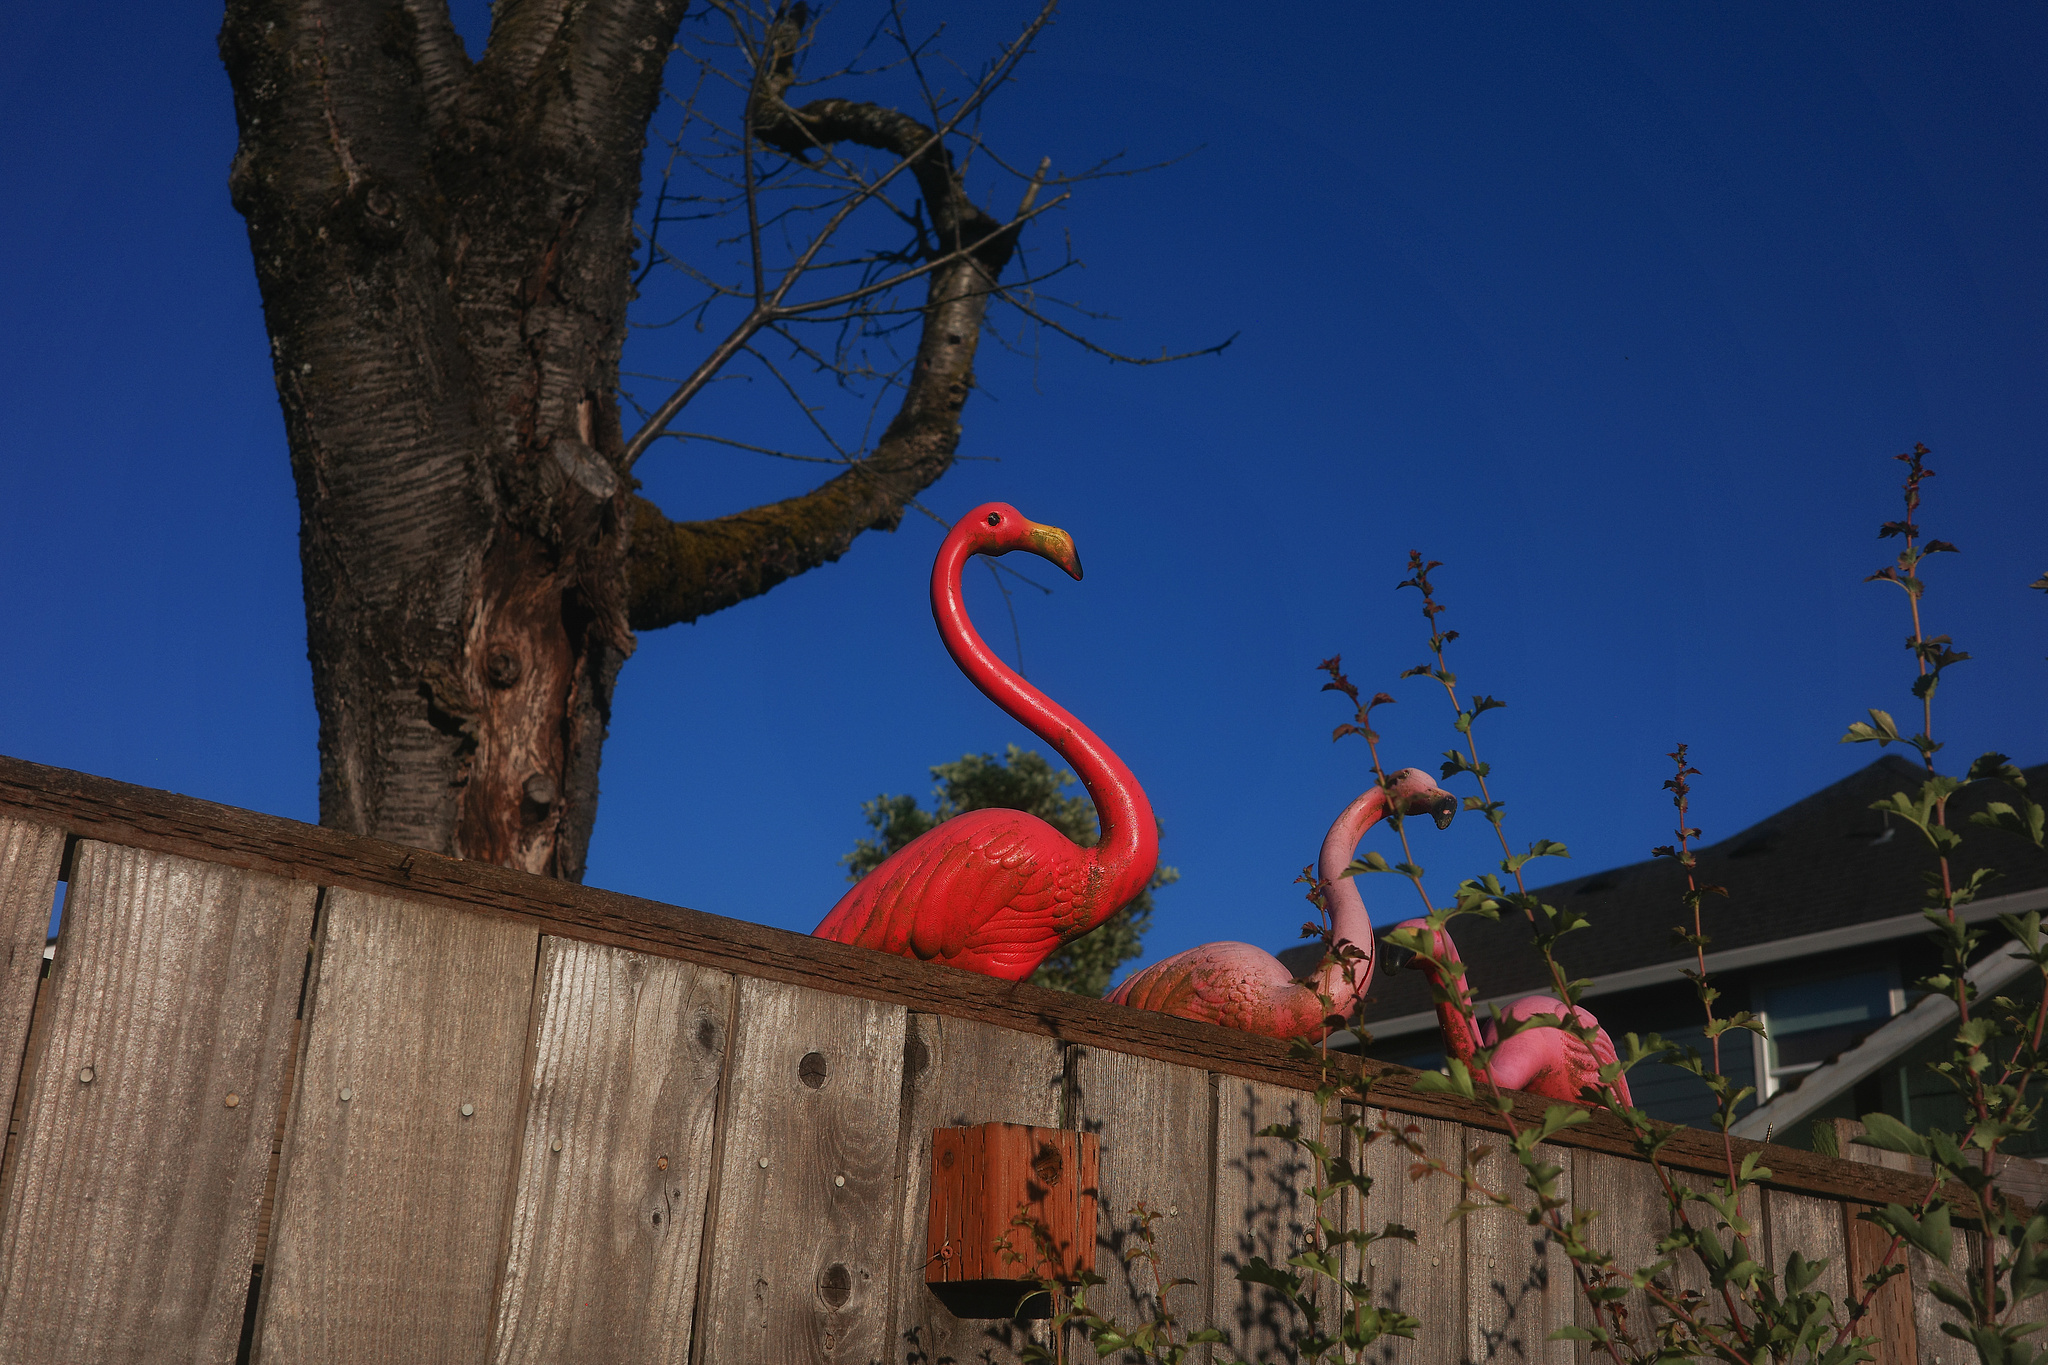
293 1096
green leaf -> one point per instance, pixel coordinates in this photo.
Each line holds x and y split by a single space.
2029 819
1458 1082
1930 1233
1557 1118
1996 765
1887 1133
1950 1297
1881 728
1259 1271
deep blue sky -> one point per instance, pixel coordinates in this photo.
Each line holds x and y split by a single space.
1617 309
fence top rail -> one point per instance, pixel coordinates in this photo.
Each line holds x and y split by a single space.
89 807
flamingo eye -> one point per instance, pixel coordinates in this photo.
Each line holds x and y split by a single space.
995 518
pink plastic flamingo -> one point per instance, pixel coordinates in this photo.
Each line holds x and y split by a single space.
1545 1061
997 891
1243 987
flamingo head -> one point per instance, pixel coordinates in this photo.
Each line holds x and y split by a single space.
996 528
1413 792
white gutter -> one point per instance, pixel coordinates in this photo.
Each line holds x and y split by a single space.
1884 1046
1778 949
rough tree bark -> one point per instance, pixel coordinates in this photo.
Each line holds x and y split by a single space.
444 251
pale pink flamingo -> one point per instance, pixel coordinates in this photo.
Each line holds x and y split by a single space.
1548 1061
997 891
1243 987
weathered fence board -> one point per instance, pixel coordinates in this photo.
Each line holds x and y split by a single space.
957 1073
1891 1309
131 1218
1155 1124
1929 1313
1897 1318
391 1197
29 858
38 1025
1814 1228
1519 1286
1690 1275
1425 1278
1634 1215
615 1164
1263 1209
802 1246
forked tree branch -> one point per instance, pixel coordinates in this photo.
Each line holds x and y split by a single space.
965 231
679 571
444 65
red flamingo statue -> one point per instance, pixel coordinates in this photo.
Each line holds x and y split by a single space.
1544 1060
1243 987
998 891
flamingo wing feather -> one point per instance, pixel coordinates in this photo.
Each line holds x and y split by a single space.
984 890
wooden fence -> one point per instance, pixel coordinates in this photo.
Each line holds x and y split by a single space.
288 1095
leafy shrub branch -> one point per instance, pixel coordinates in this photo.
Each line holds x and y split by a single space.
1728 1305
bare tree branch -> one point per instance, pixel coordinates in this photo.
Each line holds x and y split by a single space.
964 230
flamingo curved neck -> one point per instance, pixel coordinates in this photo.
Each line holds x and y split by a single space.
1349 920
1129 847
1457 1029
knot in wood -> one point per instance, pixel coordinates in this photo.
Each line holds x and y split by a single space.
813 1069
540 789
502 668
835 1286
1048 1165
380 203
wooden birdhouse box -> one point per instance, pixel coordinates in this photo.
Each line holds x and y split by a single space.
1011 1205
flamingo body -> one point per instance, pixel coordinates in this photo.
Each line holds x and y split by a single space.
1543 1060
987 891
1239 986
998 891
1234 985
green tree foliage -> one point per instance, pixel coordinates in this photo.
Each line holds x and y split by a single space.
1020 780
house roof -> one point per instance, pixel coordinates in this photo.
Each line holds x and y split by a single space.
1825 863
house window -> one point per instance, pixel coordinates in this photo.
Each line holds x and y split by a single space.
1810 1020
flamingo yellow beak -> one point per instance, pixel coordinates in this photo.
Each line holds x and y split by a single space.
1050 542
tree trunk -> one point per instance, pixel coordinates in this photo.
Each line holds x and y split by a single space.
444 252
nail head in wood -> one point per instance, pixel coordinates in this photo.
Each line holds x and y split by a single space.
985 1177
468 1109
232 1099
347 1094
85 1075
